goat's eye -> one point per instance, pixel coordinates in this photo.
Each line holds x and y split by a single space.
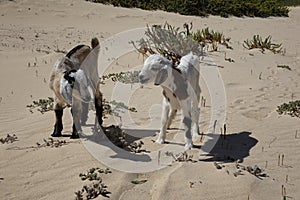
155 69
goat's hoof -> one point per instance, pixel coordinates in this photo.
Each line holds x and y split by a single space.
160 141
56 135
188 146
74 136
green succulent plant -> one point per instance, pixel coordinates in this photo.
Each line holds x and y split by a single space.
263 44
292 109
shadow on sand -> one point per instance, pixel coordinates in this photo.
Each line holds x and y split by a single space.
231 148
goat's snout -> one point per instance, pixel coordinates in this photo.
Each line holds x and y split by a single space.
142 78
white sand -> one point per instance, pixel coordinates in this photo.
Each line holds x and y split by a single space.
52 173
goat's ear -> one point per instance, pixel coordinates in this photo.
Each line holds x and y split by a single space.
161 76
69 63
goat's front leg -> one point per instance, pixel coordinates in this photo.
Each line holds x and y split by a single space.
171 117
58 127
76 112
187 123
164 119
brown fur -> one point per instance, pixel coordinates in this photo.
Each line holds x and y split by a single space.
165 95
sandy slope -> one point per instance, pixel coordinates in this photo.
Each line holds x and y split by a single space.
31 32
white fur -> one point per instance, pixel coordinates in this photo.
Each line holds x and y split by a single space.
79 90
185 85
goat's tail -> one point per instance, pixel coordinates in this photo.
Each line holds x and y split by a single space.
94 42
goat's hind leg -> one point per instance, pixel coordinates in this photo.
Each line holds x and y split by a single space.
58 127
76 112
187 122
196 110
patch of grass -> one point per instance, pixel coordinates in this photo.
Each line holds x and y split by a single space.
115 107
290 2
208 36
223 8
93 174
129 77
96 186
42 105
50 142
9 139
121 139
292 109
258 43
92 191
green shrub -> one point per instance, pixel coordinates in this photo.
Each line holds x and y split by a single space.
224 8
173 43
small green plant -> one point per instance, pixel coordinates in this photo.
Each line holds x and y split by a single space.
138 181
92 174
92 191
114 108
96 187
42 105
50 142
208 36
292 109
258 43
129 77
284 67
9 139
136 147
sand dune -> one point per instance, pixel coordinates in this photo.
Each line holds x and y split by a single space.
33 33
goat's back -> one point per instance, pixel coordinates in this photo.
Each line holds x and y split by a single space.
189 66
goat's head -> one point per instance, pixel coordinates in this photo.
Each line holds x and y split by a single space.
155 70
74 83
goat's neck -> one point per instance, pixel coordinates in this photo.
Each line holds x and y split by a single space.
173 79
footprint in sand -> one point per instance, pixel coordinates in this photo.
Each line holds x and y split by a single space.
264 89
260 96
33 173
239 101
260 113
242 108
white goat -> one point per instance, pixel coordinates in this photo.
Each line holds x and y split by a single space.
180 90
70 80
